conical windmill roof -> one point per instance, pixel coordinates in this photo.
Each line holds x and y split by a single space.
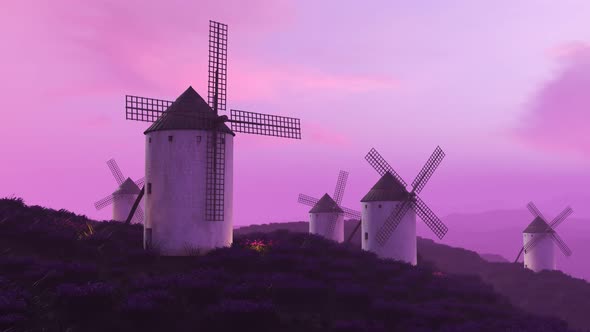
188 111
128 187
387 189
538 225
326 204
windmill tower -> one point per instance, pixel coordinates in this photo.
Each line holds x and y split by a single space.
123 198
389 211
538 239
326 217
189 159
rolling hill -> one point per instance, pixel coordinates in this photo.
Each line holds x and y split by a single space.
546 293
63 272
493 258
500 232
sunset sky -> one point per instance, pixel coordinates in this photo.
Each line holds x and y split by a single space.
501 86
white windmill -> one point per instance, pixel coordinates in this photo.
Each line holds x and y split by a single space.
538 239
326 217
389 211
189 159
123 198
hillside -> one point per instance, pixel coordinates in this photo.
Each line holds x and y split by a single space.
500 232
63 272
493 258
546 293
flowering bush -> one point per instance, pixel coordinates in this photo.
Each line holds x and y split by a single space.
259 245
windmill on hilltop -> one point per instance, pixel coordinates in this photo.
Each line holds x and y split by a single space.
389 211
538 239
326 217
124 197
189 159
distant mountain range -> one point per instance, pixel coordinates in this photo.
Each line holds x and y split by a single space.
493 258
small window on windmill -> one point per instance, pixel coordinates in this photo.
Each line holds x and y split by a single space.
169 138
198 139
366 206
149 188
149 140
366 236
379 205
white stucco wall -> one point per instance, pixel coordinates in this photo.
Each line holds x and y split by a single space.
175 208
401 245
319 223
122 204
542 255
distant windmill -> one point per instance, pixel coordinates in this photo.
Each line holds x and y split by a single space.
189 159
124 197
326 218
538 239
389 210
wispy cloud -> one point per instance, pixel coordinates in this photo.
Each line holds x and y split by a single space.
324 135
558 116
255 82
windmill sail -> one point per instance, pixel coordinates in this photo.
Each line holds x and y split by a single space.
410 199
540 226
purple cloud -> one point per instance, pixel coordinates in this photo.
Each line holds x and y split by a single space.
558 116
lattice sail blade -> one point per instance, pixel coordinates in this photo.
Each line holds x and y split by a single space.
144 109
140 182
350 213
381 166
116 171
428 169
265 124
358 225
430 219
307 200
217 65
340 186
561 217
215 182
561 244
331 225
135 206
518 256
533 242
104 202
138 215
535 211
393 221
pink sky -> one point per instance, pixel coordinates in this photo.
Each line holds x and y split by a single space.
502 88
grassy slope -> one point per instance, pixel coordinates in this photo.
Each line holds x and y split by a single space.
547 293
51 279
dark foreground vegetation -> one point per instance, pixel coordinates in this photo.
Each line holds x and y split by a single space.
548 293
63 272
